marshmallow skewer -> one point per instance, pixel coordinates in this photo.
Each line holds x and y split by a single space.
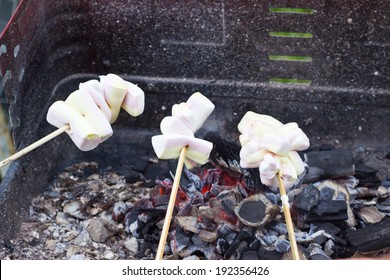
287 217
171 204
34 145
178 141
272 146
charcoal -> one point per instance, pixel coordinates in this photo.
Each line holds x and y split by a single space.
179 240
384 205
269 255
250 255
224 231
280 227
268 240
318 257
328 164
333 207
366 175
119 211
256 210
320 237
326 193
244 235
329 248
308 198
383 192
196 240
221 246
329 228
160 200
282 246
254 245
372 238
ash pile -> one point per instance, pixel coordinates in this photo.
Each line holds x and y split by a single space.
340 209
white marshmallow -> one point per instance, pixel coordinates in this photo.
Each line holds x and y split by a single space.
169 147
81 132
96 91
173 125
296 137
115 89
134 101
183 112
201 108
83 103
246 123
251 155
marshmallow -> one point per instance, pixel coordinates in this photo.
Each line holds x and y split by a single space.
96 91
169 147
83 103
183 112
194 112
271 146
173 125
178 131
81 132
201 108
134 101
115 89
250 117
297 139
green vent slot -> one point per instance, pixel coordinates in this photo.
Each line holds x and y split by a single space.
290 81
292 10
297 58
291 35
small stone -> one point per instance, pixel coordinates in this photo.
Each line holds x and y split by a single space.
383 192
71 235
35 234
109 255
74 209
50 244
188 223
131 244
73 250
82 238
62 218
208 236
78 257
370 215
100 229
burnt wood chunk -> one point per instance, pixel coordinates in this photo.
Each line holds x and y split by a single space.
328 165
372 238
308 198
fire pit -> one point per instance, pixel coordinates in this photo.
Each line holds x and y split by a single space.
243 57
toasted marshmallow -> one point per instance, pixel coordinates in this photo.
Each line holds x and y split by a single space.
81 132
296 137
247 121
134 101
83 103
169 147
115 89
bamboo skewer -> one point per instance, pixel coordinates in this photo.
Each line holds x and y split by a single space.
287 216
34 145
171 204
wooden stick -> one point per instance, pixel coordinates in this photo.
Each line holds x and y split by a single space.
171 204
287 217
34 145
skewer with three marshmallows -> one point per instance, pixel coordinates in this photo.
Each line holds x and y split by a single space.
87 114
178 141
272 147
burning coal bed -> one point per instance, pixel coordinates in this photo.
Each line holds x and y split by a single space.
222 211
